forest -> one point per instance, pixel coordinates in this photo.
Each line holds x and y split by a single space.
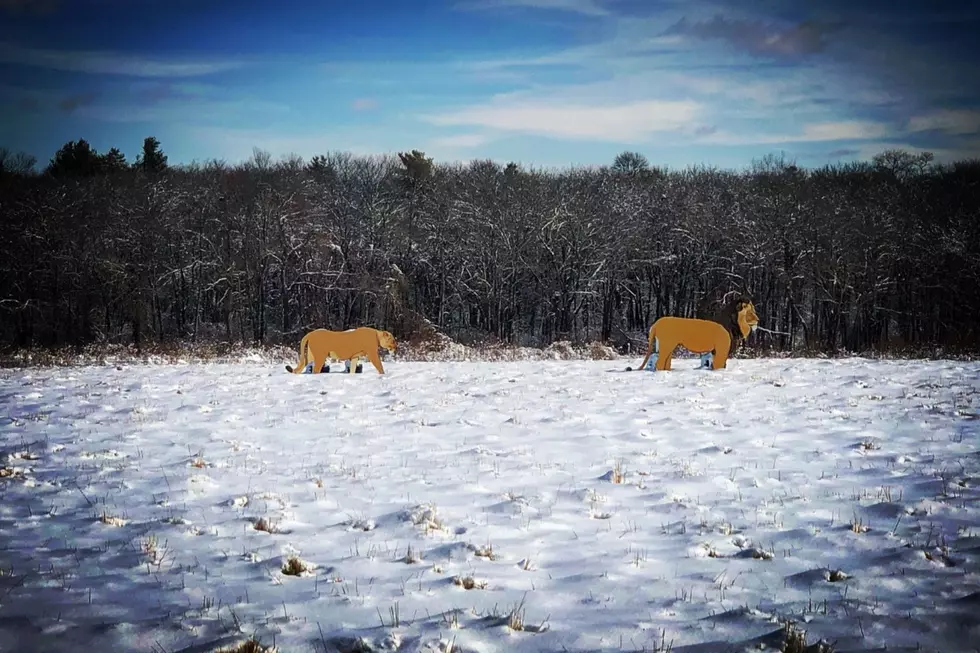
879 256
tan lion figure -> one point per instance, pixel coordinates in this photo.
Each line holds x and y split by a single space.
322 344
698 336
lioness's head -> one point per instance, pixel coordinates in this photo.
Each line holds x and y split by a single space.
387 341
747 319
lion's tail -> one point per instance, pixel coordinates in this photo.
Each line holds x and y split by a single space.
303 357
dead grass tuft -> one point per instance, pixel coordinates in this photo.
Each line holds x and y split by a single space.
616 475
111 520
598 351
199 462
294 566
11 473
485 552
858 525
517 622
940 556
469 583
266 525
251 645
836 575
794 641
412 556
425 517
150 548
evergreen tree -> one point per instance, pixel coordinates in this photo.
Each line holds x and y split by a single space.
152 159
114 161
75 159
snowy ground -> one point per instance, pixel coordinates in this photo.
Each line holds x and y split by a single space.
442 504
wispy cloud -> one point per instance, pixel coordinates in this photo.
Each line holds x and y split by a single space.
461 141
950 121
586 7
601 121
758 37
109 63
814 132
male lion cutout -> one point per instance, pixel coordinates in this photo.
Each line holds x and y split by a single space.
698 336
363 342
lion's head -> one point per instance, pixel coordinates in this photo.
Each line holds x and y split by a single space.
387 341
747 319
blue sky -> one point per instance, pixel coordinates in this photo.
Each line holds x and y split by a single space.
541 82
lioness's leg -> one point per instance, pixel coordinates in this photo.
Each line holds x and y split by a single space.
376 361
319 360
663 356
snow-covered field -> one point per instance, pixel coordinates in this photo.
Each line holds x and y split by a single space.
520 506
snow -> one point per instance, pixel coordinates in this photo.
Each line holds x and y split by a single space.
607 510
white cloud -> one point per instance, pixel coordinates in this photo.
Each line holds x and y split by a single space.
812 132
951 121
607 121
761 92
109 63
844 130
758 37
461 141
631 46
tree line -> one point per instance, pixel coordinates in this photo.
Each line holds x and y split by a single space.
873 256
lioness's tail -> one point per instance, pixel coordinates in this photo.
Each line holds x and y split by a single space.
651 346
303 358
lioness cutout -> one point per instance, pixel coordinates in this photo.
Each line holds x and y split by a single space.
319 345
698 336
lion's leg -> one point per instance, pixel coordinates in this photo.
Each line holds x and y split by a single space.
666 349
722 350
376 361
